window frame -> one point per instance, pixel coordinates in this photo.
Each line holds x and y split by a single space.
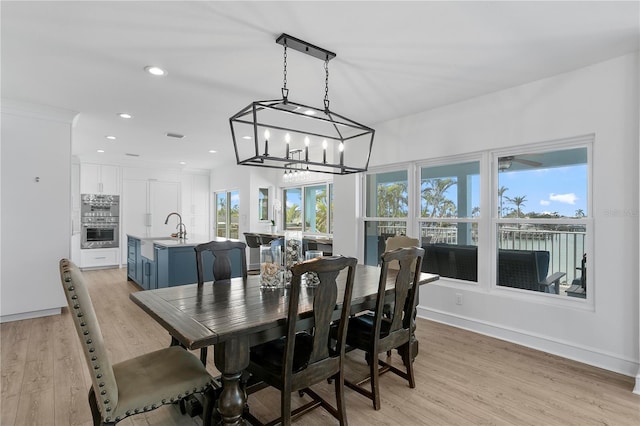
585 141
328 184
488 218
228 197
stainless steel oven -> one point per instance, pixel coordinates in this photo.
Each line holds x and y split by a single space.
100 218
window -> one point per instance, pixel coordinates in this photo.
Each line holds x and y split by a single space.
263 204
542 207
309 208
524 212
387 210
227 214
449 212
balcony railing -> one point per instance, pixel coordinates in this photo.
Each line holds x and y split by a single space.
566 247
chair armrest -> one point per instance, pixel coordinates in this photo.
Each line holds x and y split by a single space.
551 280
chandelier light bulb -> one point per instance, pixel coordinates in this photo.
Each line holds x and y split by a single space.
266 142
287 139
306 148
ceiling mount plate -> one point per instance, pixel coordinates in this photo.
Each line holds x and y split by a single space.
304 47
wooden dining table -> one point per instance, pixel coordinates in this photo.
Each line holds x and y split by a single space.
236 314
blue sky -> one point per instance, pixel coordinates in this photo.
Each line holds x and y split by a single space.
560 189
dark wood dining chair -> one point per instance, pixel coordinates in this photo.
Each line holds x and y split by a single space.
222 261
137 385
389 326
221 268
301 359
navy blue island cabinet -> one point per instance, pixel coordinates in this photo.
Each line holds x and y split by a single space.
167 262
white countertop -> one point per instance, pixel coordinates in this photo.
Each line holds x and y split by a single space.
147 243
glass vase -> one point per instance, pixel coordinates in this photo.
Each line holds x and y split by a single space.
270 267
292 252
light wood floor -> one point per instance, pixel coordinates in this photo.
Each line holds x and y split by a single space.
462 378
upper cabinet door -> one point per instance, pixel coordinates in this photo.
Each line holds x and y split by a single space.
110 179
99 179
164 198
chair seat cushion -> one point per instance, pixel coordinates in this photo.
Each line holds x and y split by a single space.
361 329
157 378
269 355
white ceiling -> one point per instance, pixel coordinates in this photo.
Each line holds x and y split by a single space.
393 59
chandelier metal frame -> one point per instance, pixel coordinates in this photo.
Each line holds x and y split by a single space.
349 140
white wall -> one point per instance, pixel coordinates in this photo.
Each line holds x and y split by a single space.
36 208
601 99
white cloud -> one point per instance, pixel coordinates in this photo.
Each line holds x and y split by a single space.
545 202
564 198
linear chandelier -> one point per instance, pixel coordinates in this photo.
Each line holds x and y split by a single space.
299 138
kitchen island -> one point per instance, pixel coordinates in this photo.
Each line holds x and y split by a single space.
158 262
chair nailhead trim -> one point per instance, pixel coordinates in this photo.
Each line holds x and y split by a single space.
99 375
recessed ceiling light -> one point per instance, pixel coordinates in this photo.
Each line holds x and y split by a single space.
212 151
153 70
111 138
101 151
124 115
183 163
247 137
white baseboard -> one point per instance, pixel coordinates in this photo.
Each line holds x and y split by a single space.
584 354
30 315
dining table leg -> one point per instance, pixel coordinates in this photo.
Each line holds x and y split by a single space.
231 359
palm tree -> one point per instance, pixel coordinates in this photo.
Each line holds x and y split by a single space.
392 200
433 191
501 192
518 201
580 213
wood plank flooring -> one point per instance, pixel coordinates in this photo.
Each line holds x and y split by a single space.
462 378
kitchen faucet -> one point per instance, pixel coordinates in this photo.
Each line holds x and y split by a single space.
182 229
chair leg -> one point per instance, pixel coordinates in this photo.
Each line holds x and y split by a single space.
375 379
407 360
285 407
340 402
95 412
209 406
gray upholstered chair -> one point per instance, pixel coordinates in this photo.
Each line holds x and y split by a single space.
399 241
139 384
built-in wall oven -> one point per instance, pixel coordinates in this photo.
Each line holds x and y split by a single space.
100 219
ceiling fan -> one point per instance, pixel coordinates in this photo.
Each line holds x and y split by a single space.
504 163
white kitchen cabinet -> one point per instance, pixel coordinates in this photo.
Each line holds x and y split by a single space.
99 179
145 205
195 203
99 258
